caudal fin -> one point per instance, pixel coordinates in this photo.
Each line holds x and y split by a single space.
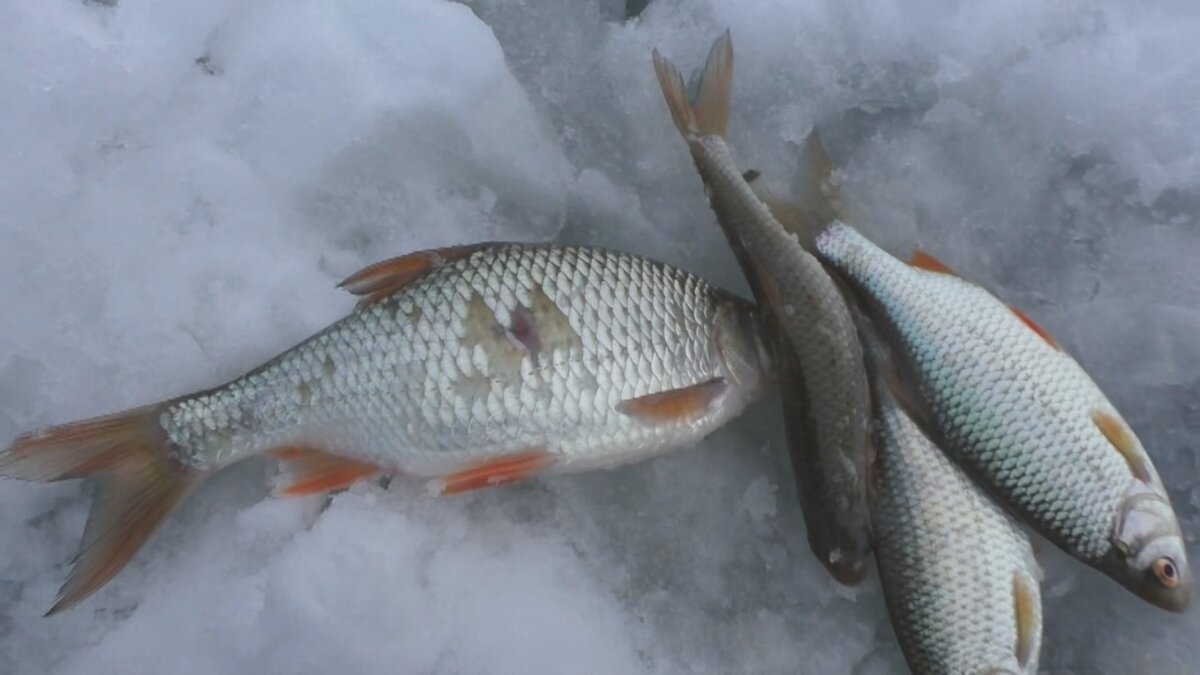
708 113
138 486
818 202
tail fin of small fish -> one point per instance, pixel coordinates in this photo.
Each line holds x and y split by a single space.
818 202
139 485
708 113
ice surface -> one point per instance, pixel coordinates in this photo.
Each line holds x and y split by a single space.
183 183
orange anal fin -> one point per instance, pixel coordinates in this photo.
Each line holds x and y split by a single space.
381 280
1035 328
676 405
315 472
499 471
923 261
1122 438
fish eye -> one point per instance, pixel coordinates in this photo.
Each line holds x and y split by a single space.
1166 572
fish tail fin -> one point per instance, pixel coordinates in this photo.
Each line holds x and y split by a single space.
708 113
818 201
138 485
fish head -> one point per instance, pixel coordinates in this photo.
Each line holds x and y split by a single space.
1148 555
741 343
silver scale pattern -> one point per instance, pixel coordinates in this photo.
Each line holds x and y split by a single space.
948 558
432 378
1013 409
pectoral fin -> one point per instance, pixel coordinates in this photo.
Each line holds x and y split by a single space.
685 404
1122 439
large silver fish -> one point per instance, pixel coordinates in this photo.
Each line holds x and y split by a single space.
471 366
820 361
959 578
1017 413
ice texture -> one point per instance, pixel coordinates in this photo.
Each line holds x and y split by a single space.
183 183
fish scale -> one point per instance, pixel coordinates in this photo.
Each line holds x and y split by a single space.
960 395
475 365
424 395
1022 417
822 378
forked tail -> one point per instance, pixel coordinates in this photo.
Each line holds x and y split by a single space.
139 484
708 113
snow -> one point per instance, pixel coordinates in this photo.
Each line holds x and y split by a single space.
184 183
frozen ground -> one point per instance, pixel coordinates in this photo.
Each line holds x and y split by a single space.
182 183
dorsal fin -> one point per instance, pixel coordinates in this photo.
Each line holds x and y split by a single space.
1035 327
382 279
818 201
923 261
819 191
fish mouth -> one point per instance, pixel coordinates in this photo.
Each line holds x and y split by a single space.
1146 540
1176 599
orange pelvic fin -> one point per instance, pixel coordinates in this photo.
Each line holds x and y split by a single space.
676 405
138 485
315 471
381 280
1025 607
499 471
1042 333
923 261
1121 436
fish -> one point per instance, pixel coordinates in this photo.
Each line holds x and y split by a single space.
1007 402
819 359
467 366
959 578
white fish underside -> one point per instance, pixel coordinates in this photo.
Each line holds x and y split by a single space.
511 349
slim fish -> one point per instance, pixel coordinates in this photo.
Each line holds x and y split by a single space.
469 366
959 578
820 360
1017 413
